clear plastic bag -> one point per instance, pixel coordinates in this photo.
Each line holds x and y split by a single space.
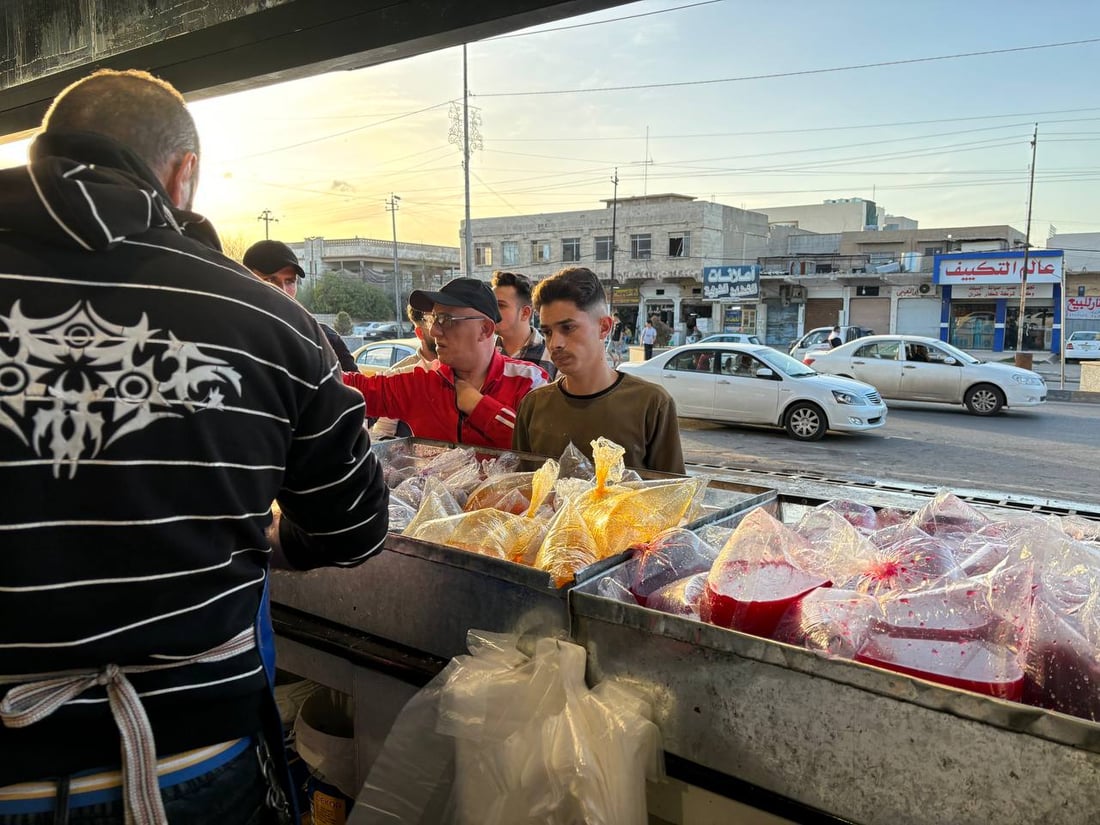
671 556
575 464
502 738
829 620
437 502
948 518
500 491
568 546
756 577
488 532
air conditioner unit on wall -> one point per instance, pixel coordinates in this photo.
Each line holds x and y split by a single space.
798 293
927 289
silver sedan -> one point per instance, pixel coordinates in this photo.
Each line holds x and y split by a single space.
915 368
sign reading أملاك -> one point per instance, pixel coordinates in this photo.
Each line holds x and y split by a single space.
737 282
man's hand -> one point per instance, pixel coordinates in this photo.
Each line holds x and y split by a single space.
467 396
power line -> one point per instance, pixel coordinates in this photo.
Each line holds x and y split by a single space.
800 73
601 22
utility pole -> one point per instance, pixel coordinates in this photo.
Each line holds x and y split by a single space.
614 215
268 217
392 207
1021 360
466 161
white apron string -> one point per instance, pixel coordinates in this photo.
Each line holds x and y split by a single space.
37 695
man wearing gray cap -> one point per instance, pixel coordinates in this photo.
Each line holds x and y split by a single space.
471 393
276 263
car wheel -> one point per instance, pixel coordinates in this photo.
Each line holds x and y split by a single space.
984 399
806 421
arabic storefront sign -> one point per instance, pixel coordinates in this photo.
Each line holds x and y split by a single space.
731 282
1002 291
1088 307
1044 266
624 295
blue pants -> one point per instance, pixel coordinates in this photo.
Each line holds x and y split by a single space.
233 794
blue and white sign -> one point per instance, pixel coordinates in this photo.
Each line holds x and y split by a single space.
731 282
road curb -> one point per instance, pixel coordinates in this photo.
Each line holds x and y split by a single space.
1073 395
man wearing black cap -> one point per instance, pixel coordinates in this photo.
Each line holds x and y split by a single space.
471 393
276 263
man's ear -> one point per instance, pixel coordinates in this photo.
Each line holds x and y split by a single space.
526 313
183 176
607 323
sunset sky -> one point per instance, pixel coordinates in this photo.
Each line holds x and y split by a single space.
943 141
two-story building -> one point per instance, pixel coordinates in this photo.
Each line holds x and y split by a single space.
371 260
650 253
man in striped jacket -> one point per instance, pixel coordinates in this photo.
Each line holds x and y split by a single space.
155 398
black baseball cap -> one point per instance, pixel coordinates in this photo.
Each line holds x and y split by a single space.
461 292
269 257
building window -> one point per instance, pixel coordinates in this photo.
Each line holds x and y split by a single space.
540 252
679 244
570 249
483 254
509 253
933 250
603 248
641 246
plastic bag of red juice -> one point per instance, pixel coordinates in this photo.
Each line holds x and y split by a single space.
680 598
829 620
671 556
755 578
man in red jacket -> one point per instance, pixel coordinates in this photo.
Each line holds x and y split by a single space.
470 395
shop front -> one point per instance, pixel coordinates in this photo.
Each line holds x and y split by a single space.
736 292
981 300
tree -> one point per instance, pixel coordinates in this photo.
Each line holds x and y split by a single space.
361 301
342 324
234 246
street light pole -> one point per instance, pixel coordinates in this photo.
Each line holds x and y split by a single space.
392 207
466 162
1020 359
614 216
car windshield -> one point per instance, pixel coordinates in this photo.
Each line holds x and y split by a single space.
1084 336
958 354
784 364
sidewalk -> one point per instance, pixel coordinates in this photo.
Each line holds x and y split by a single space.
1049 366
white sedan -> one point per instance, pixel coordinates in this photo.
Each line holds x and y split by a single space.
915 368
752 384
1082 344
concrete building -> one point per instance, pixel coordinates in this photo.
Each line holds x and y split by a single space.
421 265
887 281
833 215
1082 268
661 243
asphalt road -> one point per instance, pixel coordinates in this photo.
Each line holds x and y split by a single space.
1052 451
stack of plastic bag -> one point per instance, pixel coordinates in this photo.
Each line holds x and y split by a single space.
502 738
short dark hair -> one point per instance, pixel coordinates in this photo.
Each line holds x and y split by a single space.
415 315
517 280
577 284
143 112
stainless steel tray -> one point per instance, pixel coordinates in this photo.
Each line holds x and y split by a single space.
426 596
862 743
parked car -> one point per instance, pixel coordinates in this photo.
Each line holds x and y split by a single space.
754 384
915 368
820 336
730 338
379 330
1082 344
379 356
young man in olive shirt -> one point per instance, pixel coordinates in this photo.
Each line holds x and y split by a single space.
590 399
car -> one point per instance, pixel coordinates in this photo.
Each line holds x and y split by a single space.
755 384
730 338
378 356
1082 344
916 368
379 330
819 336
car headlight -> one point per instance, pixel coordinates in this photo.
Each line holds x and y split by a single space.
1030 380
845 397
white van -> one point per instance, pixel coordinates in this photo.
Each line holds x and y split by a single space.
820 335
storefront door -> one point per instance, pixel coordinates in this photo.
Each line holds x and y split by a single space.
1038 326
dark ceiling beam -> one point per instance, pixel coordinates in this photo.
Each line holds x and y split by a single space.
220 46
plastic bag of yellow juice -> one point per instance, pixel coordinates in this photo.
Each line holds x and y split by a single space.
637 516
500 492
541 485
437 502
568 546
488 532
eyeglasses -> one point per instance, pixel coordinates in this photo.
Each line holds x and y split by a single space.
445 319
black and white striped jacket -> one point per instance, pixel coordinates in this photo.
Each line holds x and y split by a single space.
155 398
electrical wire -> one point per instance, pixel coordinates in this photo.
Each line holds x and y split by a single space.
797 73
599 22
